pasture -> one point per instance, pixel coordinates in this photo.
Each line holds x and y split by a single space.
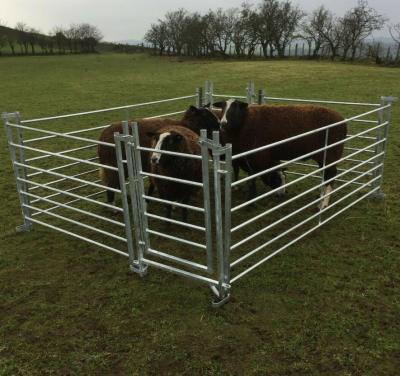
328 305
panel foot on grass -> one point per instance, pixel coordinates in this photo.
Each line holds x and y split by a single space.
138 269
24 227
220 297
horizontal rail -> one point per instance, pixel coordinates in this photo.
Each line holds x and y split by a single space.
261 231
174 153
64 135
251 220
61 152
170 178
87 196
77 223
98 127
264 195
165 219
319 177
366 121
362 137
108 109
62 167
77 236
113 207
164 115
268 146
58 194
66 206
176 259
174 203
364 151
323 101
60 180
184 273
234 279
229 96
67 133
68 177
184 241
339 169
79 160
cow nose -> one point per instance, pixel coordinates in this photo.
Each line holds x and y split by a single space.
154 160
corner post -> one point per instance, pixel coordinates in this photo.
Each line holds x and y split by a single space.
141 210
19 170
250 92
384 117
118 139
206 197
223 291
199 97
261 96
208 93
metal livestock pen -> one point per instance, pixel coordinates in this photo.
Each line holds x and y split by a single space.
223 242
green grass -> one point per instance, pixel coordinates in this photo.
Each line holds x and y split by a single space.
327 306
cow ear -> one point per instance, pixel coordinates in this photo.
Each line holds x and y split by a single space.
219 104
208 105
192 109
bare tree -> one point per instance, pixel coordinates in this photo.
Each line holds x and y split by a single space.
58 35
3 42
175 22
268 12
22 38
285 26
221 25
157 35
357 24
32 36
332 32
311 29
394 31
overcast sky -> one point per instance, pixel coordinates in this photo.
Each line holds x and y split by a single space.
129 19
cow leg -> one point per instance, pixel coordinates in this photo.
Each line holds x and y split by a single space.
328 174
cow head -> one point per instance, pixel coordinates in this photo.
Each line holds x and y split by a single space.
233 114
169 141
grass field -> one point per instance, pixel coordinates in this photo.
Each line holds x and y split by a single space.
328 306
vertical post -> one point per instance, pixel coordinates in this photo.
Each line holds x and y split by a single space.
388 55
223 289
296 50
19 171
323 190
124 194
302 50
206 198
261 96
384 116
208 93
137 266
227 213
137 159
199 97
250 92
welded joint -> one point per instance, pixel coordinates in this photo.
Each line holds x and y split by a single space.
9 115
389 99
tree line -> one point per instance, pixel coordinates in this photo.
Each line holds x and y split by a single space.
25 40
268 28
